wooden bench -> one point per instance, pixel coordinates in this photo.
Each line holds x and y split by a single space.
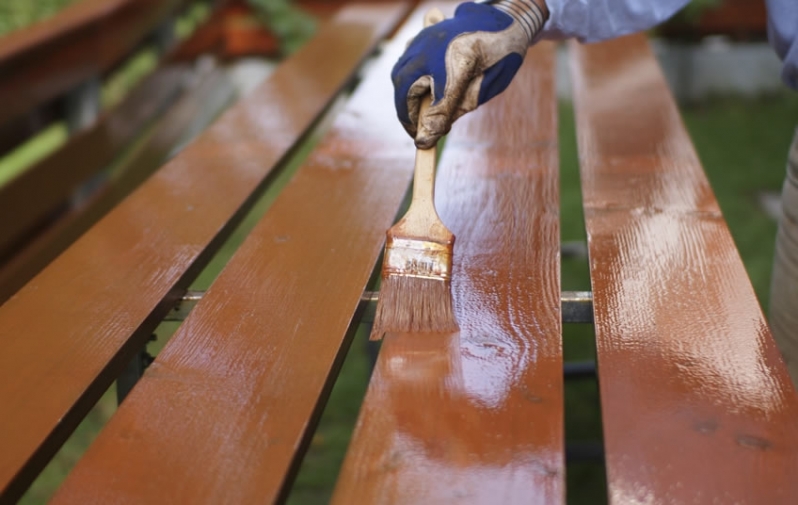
52 71
697 406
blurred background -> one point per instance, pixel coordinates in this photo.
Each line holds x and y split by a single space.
714 54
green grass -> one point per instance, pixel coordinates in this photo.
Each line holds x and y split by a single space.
15 14
33 150
743 145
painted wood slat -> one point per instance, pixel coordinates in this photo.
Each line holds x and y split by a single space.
477 417
28 199
228 407
697 404
68 333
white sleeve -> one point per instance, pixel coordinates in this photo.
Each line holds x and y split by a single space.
783 34
596 20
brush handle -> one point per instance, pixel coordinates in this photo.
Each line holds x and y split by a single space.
421 219
424 177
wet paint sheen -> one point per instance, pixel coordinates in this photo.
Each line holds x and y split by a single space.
476 417
67 334
225 412
697 404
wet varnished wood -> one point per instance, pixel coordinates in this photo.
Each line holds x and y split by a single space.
68 333
477 417
697 404
226 409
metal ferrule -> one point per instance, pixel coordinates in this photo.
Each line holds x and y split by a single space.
417 258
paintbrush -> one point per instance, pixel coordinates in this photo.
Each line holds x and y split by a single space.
415 294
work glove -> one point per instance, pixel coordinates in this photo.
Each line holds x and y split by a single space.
464 62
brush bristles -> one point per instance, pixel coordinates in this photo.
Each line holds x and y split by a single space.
414 305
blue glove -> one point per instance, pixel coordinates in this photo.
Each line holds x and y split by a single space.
464 62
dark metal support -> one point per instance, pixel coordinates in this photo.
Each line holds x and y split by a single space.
584 452
579 369
132 373
577 306
82 105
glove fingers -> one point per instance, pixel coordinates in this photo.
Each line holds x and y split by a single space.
459 97
417 91
412 77
465 94
433 16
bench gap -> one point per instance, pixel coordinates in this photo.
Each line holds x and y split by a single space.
585 474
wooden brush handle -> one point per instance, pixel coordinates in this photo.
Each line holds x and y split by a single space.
422 219
424 177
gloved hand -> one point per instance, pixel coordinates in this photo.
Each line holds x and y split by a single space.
464 61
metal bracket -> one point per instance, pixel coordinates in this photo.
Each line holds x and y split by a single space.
133 372
577 307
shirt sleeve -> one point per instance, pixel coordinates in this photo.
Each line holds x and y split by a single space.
596 20
783 35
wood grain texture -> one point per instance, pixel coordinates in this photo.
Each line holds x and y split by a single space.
477 417
83 40
227 408
67 334
34 196
696 401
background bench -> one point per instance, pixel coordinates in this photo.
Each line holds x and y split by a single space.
696 402
53 71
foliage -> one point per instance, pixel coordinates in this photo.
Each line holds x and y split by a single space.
16 14
292 26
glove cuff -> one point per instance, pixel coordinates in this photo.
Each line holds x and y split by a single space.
528 14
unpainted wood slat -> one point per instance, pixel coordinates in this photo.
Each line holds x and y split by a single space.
697 404
477 417
68 333
227 408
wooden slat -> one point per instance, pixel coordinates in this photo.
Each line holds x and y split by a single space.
226 410
696 401
51 57
477 417
28 199
146 159
68 333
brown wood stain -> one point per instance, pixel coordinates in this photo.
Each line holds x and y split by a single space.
696 401
227 408
477 417
67 334
28 199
